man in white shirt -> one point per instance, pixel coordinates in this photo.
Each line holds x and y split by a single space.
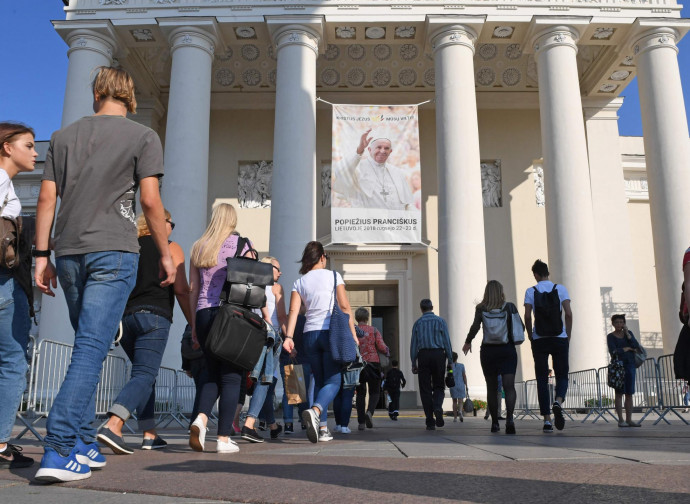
372 182
549 336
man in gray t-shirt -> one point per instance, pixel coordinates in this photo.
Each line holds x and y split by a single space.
95 166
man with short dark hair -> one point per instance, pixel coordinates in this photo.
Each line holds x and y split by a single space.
95 165
549 336
431 354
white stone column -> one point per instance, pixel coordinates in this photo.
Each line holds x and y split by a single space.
293 200
569 220
667 153
185 184
461 248
610 208
87 51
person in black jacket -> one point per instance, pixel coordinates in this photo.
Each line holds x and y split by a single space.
395 380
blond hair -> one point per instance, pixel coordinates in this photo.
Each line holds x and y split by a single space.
117 84
143 227
493 296
205 249
269 259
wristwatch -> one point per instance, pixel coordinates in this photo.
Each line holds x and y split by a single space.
40 253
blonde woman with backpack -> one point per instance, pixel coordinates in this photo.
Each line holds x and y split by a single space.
497 354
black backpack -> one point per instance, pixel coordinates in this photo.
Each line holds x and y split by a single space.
547 313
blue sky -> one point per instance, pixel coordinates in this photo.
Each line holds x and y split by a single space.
32 86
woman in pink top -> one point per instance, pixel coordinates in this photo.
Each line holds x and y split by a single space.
370 344
207 273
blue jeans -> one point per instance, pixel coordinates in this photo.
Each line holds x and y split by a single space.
14 337
326 371
261 403
558 349
342 406
144 336
97 286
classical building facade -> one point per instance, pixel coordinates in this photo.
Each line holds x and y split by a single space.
520 152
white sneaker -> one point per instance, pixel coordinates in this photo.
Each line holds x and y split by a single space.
311 420
229 447
337 428
197 435
345 430
324 435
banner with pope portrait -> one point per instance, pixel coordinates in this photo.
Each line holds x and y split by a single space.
376 190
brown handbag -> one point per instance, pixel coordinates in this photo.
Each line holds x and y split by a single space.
10 230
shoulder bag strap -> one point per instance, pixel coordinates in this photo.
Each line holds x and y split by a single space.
335 297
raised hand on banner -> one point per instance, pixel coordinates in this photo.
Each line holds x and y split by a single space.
364 142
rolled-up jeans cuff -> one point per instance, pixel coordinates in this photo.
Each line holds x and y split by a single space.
120 411
146 424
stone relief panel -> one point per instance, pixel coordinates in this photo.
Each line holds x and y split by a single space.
326 184
491 184
254 184
538 174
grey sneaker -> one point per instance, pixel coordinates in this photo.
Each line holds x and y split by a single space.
113 441
156 443
369 420
548 428
325 435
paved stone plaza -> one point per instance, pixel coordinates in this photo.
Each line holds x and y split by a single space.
395 462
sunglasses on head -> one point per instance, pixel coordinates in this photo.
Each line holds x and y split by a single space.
172 224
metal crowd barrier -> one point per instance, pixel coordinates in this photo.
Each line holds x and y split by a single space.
584 394
646 396
167 406
49 363
657 391
670 389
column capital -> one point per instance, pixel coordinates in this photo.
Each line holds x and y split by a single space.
99 37
453 35
601 108
553 31
201 33
306 31
647 34
555 36
446 31
654 39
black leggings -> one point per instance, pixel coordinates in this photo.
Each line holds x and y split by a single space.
492 395
222 381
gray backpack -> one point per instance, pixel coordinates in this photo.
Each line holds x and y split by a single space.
495 325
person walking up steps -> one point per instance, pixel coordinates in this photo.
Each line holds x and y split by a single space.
549 336
431 354
395 380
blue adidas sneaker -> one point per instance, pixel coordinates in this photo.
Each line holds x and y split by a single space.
58 469
89 454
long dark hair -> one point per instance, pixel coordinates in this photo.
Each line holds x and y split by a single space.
312 254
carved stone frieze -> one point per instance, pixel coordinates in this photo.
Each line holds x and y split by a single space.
254 184
491 183
636 187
